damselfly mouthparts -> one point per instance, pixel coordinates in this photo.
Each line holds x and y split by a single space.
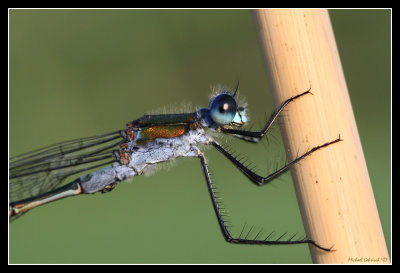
35 177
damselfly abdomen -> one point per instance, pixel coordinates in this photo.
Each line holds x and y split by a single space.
35 177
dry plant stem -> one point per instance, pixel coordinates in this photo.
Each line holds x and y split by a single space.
332 185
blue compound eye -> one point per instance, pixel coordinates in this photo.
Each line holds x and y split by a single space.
223 109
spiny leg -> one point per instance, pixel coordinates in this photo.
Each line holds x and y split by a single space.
255 136
228 237
259 180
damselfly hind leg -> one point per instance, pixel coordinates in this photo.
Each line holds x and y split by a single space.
255 137
228 237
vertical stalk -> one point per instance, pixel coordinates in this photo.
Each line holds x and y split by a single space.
332 185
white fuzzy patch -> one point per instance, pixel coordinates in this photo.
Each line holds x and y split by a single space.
166 149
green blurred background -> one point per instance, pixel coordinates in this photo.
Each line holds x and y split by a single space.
76 73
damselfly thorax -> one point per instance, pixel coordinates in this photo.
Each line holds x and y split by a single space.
35 177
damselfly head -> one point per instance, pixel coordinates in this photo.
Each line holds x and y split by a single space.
224 109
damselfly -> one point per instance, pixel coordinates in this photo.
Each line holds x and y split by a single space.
36 177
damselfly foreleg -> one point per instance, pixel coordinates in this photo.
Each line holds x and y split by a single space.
228 237
255 136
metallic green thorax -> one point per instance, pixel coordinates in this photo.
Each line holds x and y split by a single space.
151 120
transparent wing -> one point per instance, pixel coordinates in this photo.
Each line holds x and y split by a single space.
40 171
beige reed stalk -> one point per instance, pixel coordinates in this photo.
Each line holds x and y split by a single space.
332 185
